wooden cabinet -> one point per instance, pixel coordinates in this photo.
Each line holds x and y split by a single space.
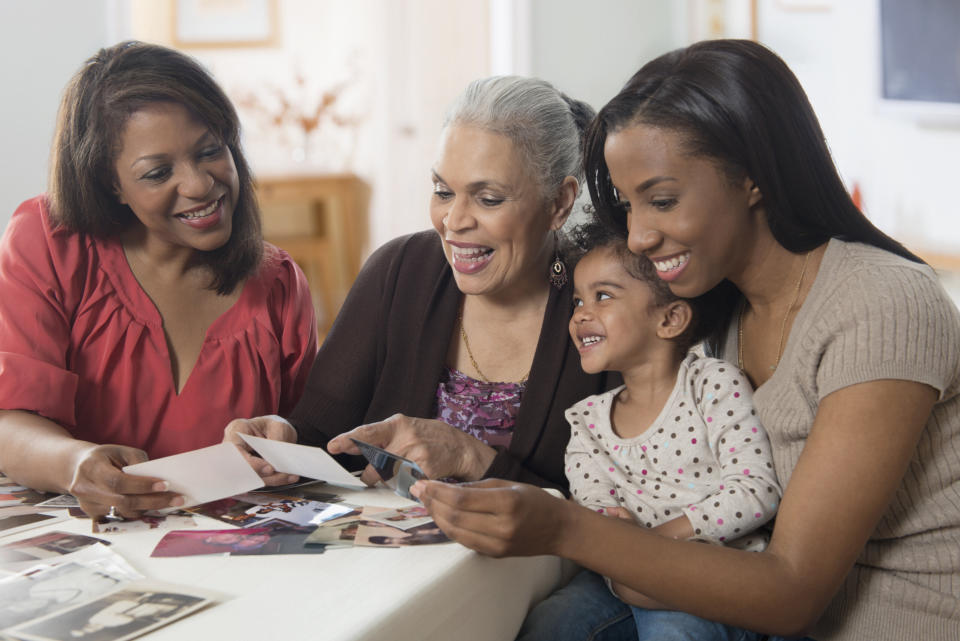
321 221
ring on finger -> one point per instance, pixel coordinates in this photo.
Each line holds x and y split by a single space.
112 515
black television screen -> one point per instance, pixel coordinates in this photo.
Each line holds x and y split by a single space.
920 42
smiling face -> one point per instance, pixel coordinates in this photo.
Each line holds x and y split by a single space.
683 211
615 320
177 178
491 214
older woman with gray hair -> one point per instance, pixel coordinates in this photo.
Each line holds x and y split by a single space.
451 348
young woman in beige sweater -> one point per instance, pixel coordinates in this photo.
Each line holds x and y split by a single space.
713 162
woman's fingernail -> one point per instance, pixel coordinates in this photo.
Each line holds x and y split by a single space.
416 489
161 486
177 501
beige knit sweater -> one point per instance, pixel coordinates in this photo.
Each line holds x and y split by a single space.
873 315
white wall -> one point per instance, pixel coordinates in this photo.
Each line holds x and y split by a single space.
411 57
42 43
907 170
401 62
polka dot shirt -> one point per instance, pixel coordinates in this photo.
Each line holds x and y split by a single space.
706 456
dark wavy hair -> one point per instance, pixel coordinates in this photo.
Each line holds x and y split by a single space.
738 103
101 96
705 320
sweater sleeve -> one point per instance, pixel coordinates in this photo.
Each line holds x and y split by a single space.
590 485
748 493
35 314
887 320
344 374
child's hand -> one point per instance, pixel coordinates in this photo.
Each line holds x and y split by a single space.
616 511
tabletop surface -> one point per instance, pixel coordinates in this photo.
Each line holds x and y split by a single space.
442 591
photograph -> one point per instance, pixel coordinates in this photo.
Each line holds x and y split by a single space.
124 614
380 536
404 518
12 494
35 594
19 521
45 546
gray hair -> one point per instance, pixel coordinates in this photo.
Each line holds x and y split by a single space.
546 126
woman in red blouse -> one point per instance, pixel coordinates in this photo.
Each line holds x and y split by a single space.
140 309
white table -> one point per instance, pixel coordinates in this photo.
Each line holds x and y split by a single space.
428 592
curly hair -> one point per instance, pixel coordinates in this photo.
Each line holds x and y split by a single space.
705 309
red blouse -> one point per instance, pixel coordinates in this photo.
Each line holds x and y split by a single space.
83 345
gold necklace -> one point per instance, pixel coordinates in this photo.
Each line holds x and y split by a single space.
783 324
473 361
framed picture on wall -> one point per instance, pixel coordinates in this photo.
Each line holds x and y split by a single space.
224 23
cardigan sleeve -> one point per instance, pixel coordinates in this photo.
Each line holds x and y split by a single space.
38 269
344 374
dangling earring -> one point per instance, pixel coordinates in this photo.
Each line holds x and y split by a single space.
558 272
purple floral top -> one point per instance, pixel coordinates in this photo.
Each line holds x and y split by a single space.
487 411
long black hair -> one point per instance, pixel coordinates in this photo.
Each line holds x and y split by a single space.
737 102
101 96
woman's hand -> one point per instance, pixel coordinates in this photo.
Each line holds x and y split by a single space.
496 517
99 483
272 427
440 450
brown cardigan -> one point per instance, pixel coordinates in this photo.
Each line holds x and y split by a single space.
387 350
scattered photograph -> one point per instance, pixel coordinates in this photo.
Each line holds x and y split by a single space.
126 613
271 537
61 500
145 522
312 490
299 511
341 535
231 510
12 494
382 536
45 546
404 518
19 522
38 593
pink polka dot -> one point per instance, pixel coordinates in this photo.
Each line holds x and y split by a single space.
616 447
736 394
600 510
721 487
609 469
709 419
643 447
733 449
723 538
644 472
719 521
693 508
757 515
591 426
754 430
746 472
590 404
639 491
680 470
611 492
694 441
